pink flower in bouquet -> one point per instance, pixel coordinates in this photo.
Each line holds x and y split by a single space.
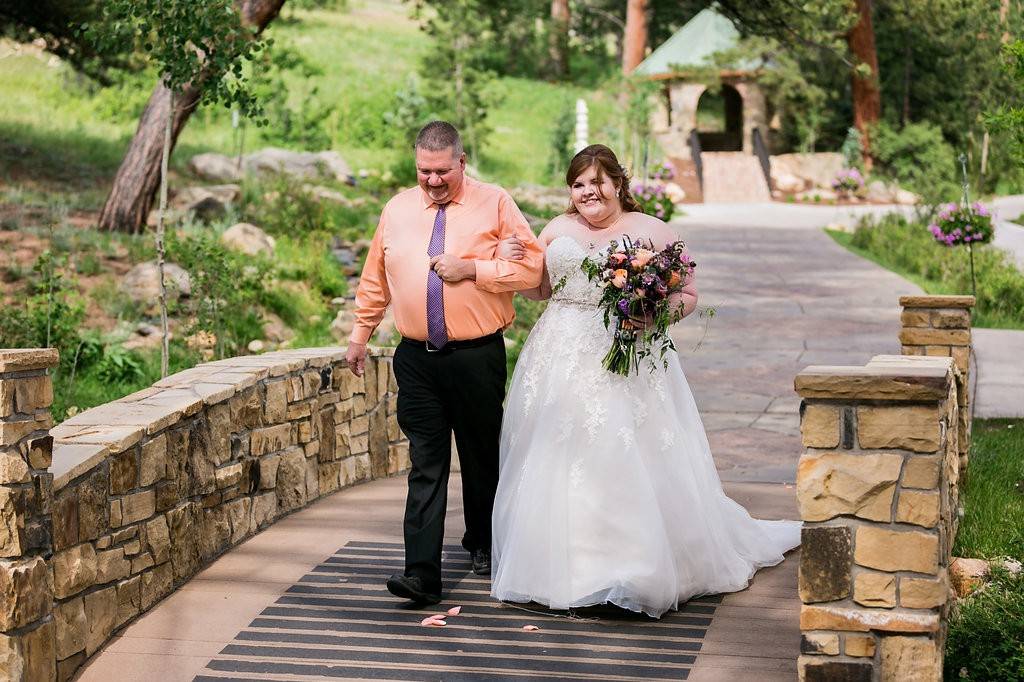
617 258
640 293
642 257
619 280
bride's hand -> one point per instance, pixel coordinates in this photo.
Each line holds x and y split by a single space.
511 249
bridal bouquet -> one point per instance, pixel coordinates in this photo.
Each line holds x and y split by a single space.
637 281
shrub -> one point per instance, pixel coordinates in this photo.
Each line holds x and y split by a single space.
653 200
848 180
908 247
918 158
119 365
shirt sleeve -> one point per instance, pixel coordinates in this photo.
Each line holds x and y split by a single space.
373 295
498 275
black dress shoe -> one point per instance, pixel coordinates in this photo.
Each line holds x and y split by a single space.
411 587
482 561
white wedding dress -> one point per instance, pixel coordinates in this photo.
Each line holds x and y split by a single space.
607 490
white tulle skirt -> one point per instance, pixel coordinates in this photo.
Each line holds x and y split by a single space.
607 491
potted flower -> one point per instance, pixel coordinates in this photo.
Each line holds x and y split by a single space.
963 225
653 199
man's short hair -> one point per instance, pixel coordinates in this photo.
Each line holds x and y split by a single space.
437 136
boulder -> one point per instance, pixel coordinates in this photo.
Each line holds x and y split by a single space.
878 192
275 330
816 169
144 336
544 198
142 283
787 182
334 196
302 165
966 575
215 167
341 327
906 197
248 239
204 203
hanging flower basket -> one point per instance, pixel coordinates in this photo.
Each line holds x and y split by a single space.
956 225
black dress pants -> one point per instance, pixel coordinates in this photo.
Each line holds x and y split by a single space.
460 390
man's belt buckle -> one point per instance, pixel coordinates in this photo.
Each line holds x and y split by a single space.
430 348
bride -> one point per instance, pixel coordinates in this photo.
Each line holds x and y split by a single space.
607 490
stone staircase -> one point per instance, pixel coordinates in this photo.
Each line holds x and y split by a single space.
733 177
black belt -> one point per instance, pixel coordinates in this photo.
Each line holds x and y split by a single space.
454 345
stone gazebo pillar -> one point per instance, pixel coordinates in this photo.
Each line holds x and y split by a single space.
26 591
877 491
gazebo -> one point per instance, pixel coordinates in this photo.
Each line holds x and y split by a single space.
675 64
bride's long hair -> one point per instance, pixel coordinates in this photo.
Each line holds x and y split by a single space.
604 158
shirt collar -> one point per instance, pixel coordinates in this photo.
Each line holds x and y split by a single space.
459 198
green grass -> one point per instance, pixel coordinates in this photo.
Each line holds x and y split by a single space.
993 522
907 249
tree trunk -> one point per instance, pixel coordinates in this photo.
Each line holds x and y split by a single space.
138 177
635 39
558 39
867 99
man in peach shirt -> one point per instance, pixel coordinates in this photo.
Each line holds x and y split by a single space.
433 259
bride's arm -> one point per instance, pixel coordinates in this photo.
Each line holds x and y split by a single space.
542 292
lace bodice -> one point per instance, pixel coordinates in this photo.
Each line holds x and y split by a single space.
564 256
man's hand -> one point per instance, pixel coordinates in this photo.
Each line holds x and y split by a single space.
355 356
452 268
511 248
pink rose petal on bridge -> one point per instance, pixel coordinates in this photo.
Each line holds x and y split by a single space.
455 610
530 628
436 619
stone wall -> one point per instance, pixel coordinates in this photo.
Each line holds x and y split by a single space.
148 489
877 488
940 326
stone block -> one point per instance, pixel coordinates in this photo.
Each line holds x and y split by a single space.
92 505
101 617
819 426
25 593
216 532
132 508
40 452
184 524
240 514
330 475
378 443
12 431
921 472
895 550
360 425
219 423
910 427
129 599
71 627
328 437
812 669
158 539
826 643
312 478
276 405
832 484
950 319
825 563
30 656
362 467
230 475
398 457
924 593
911 317
153 461
270 439
875 589
858 619
291 480
343 412
264 509
961 357
268 471
124 472
247 409
67 668
156 584
13 467
112 565
12 522
910 659
370 374
860 645
74 570
299 410
935 337
305 431
394 431
349 384
918 507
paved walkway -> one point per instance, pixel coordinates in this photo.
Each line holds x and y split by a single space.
304 599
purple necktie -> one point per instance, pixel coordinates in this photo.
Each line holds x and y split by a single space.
437 334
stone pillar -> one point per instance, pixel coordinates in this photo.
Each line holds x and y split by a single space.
26 486
876 487
940 326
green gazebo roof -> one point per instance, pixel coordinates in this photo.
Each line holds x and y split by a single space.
692 45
